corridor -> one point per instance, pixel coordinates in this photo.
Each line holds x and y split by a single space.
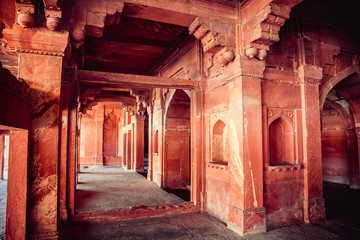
106 189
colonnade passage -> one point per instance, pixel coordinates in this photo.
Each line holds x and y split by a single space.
239 113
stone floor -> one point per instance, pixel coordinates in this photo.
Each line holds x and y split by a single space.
198 226
343 211
3 190
116 188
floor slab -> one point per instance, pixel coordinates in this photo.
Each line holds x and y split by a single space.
343 222
115 188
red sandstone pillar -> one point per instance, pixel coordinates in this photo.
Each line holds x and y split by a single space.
151 146
17 186
197 148
128 150
42 71
64 150
246 211
99 118
72 146
132 146
139 143
314 204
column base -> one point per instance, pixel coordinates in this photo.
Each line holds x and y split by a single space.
247 221
314 210
46 235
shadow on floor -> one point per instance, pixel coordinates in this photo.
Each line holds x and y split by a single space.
342 210
184 194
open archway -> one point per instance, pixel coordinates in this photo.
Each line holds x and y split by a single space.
177 142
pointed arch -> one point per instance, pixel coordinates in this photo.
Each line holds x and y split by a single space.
218 143
281 136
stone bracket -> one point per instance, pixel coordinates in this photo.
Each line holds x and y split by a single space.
262 29
89 17
215 37
142 100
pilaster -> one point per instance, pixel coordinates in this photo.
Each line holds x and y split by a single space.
139 143
314 204
246 211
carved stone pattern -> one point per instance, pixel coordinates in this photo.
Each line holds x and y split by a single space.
266 29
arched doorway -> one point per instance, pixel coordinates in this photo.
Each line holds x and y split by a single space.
340 161
177 142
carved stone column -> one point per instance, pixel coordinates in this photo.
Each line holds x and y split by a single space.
246 210
41 66
314 204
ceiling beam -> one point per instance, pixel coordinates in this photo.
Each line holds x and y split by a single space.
214 10
131 80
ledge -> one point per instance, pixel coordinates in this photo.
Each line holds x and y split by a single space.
284 168
219 166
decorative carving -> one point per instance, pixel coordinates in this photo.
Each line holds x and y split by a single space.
142 100
225 56
91 19
214 36
25 13
316 208
265 27
251 52
209 64
53 19
275 113
245 221
42 42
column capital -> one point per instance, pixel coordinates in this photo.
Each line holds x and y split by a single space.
40 41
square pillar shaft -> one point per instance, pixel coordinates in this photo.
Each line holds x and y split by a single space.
246 211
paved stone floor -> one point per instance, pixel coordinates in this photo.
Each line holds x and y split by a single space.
198 226
343 210
116 188
3 190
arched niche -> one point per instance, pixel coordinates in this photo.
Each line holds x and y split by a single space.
281 138
218 143
110 139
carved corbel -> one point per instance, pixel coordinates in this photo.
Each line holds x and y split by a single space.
53 18
25 10
89 17
262 29
142 100
215 36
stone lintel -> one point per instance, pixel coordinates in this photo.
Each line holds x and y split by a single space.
132 80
